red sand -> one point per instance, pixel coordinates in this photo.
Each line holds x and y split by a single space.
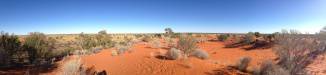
142 62
317 67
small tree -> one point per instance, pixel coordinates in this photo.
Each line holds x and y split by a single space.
147 38
257 34
168 32
102 32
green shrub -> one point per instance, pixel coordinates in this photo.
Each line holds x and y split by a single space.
87 42
249 38
257 34
222 37
104 40
38 47
9 47
123 47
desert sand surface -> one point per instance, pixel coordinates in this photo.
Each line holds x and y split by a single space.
143 60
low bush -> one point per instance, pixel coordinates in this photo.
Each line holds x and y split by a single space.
222 37
138 35
249 38
155 43
257 34
173 54
104 40
86 42
268 68
122 47
75 67
170 41
243 63
186 45
175 35
201 54
72 67
201 39
147 38
295 51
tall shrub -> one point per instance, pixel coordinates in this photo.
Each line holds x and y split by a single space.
9 46
296 50
38 47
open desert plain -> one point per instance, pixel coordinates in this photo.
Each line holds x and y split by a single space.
162 37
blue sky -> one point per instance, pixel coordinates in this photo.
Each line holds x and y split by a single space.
143 16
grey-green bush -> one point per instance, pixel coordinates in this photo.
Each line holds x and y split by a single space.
249 38
187 45
222 37
86 42
173 54
243 63
296 51
201 54
38 47
155 43
268 68
147 38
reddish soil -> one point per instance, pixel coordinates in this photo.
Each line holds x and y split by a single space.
317 67
143 61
